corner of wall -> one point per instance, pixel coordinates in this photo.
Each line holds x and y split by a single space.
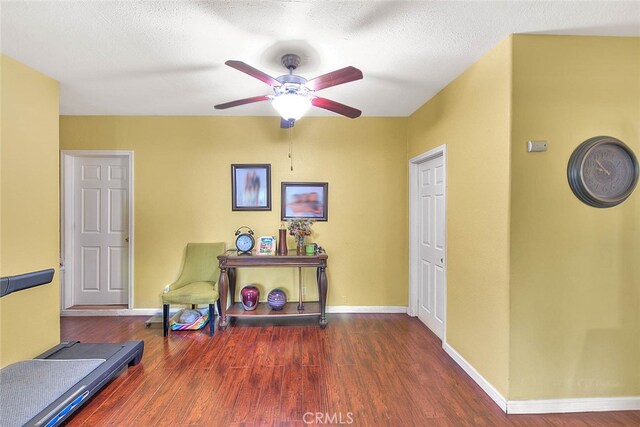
472 117
29 236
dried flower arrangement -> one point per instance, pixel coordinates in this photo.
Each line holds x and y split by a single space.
300 228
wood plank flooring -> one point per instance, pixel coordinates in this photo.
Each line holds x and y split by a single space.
362 370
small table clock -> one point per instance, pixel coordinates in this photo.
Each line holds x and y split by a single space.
603 172
244 241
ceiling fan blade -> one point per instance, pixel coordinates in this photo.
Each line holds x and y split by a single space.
253 72
286 124
336 107
334 78
241 102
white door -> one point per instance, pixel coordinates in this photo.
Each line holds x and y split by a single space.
431 242
100 230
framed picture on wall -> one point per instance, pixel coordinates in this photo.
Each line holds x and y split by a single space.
305 200
251 187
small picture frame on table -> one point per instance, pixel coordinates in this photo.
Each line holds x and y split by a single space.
266 245
305 200
250 187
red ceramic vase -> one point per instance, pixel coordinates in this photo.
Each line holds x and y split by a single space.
250 296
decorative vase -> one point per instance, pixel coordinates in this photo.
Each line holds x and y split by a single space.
277 299
282 242
250 296
300 245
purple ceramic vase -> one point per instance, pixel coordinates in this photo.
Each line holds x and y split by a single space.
277 299
250 296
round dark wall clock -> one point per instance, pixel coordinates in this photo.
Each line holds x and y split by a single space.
603 172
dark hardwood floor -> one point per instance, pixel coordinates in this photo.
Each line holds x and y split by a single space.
363 370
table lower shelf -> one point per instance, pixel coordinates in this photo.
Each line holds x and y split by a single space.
263 310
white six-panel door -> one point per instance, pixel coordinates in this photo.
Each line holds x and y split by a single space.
431 244
100 230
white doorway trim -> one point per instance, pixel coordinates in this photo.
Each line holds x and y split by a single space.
67 162
414 230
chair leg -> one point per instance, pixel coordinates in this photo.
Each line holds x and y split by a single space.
165 319
194 306
212 320
219 307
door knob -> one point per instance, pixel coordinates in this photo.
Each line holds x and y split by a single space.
126 239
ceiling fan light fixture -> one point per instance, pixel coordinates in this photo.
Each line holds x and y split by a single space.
291 106
293 94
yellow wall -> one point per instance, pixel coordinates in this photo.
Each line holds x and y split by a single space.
543 291
29 319
183 193
575 269
472 117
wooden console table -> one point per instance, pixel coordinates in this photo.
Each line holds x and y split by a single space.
230 260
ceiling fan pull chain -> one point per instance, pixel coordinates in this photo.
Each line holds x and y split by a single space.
291 148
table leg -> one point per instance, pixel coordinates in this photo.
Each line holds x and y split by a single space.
322 290
231 271
300 303
223 286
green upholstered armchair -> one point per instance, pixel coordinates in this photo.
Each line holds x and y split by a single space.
198 281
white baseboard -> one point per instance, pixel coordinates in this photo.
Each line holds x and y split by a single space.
488 388
573 405
158 311
366 309
114 312
547 406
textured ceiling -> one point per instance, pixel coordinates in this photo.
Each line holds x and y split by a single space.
167 58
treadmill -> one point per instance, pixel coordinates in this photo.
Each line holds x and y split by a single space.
46 390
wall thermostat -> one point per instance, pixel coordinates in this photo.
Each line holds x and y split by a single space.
536 146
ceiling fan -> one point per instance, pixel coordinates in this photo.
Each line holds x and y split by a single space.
293 94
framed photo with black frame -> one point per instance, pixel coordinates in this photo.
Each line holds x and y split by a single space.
305 200
251 187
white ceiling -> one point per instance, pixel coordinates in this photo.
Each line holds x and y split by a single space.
167 58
